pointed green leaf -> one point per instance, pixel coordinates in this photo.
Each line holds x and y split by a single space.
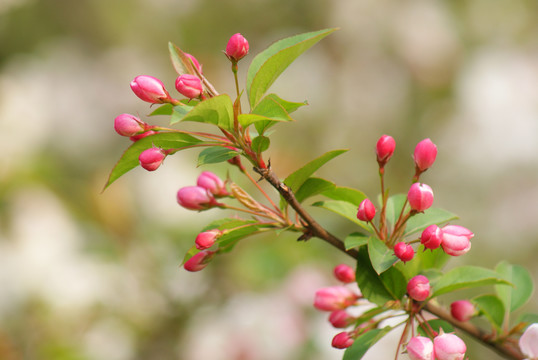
165 109
181 63
381 256
272 109
355 240
215 154
180 111
467 277
346 210
431 216
491 307
346 194
267 66
297 178
217 110
377 289
312 186
165 140
364 342
513 297
260 144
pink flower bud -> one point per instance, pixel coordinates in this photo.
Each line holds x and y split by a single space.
344 273
150 89
199 261
449 347
195 62
420 197
237 47
420 348
143 135
425 154
150 159
384 149
456 239
128 125
206 239
334 298
195 198
366 210
431 237
212 183
418 288
341 319
404 251
189 86
462 310
528 342
342 340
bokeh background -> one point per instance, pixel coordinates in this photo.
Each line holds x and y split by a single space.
86 274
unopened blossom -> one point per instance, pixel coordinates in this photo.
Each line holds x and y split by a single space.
342 340
129 125
449 347
528 342
206 239
189 86
420 348
366 211
420 197
341 319
462 310
431 237
425 154
404 251
199 261
334 298
456 239
195 198
344 273
150 159
150 89
195 62
418 288
212 183
237 47
384 149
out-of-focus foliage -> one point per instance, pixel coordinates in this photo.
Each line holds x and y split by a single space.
91 275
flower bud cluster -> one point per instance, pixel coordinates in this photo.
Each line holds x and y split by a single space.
203 195
455 240
443 347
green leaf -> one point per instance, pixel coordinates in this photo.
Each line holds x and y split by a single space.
422 260
466 277
260 144
297 178
394 207
165 140
181 63
165 109
364 342
491 307
346 194
513 297
217 110
431 216
378 289
381 256
528 318
355 240
248 119
273 109
215 154
344 209
179 112
312 186
227 223
436 325
267 66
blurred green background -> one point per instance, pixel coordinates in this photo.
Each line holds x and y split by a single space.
91 275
